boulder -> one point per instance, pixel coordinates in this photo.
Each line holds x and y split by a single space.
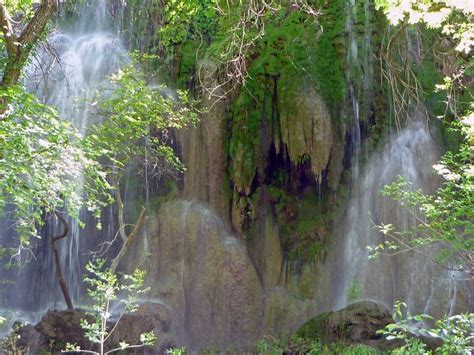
356 324
149 317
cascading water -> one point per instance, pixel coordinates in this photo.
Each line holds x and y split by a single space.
67 73
411 153
408 276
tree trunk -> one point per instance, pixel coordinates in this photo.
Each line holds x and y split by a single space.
57 260
19 47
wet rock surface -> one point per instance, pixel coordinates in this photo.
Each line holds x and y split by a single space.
205 276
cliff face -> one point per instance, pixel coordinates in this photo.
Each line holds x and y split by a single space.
255 241
241 250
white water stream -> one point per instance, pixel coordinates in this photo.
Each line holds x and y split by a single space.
409 277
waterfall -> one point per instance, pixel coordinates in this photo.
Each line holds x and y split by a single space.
425 287
66 73
408 277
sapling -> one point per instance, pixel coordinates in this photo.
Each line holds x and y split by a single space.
104 288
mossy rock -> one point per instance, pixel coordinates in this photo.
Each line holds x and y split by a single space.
356 324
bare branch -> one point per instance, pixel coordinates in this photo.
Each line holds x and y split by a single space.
57 260
128 242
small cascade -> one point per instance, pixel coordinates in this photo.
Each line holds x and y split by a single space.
408 276
359 74
67 73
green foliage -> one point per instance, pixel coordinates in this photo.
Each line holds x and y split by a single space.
176 351
188 20
104 288
25 7
453 17
46 165
298 345
456 332
136 112
267 346
42 162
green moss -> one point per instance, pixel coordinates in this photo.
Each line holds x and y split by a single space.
189 52
328 53
303 345
293 47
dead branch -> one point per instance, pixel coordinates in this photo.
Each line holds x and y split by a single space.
234 60
126 239
131 237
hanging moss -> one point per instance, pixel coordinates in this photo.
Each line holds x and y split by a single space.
293 47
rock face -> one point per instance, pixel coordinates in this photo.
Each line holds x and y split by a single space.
203 146
205 276
355 324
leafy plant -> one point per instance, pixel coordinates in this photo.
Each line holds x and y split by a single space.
42 162
354 292
176 351
456 332
105 289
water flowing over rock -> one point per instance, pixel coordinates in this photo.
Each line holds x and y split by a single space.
205 276
203 147
411 276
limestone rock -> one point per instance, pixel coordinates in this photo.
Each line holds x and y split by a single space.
205 276
306 128
285 312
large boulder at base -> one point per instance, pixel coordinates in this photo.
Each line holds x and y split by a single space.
57 328
150 317
356 324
